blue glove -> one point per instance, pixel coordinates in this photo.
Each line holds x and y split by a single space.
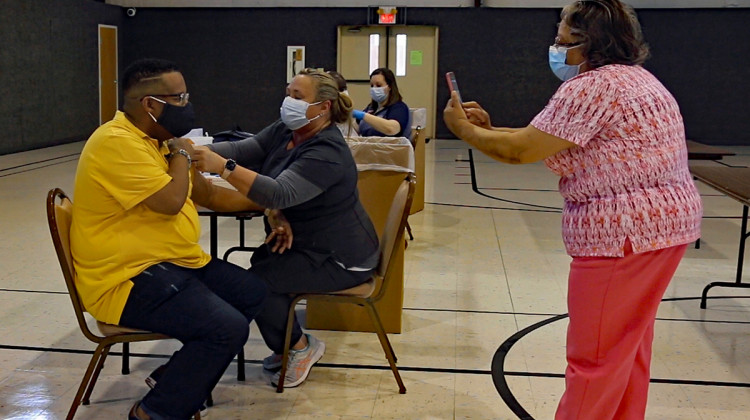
358 115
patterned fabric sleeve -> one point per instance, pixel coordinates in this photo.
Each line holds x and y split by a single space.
580 109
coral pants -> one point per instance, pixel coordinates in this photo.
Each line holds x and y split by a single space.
612 304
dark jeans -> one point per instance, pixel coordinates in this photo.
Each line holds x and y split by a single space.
291 273
209 310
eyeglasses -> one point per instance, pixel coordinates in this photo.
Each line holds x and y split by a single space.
181 98
566 44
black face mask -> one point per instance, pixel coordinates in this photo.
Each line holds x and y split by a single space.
178 120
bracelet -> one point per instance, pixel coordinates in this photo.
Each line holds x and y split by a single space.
182 152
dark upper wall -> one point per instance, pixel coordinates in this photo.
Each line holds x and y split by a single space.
49 91
703 57
233 60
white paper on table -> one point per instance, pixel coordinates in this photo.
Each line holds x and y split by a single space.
196 132
201 141
218 181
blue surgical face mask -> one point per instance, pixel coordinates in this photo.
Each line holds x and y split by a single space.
294 113
378 94
557 58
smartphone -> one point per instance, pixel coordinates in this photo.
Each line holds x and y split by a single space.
452 84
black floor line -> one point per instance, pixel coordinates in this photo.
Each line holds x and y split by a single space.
491 207
51 292
499 374
497 370
384 367
38 167
474 311
475 188
38 161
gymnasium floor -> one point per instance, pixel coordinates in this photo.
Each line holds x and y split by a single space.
486 262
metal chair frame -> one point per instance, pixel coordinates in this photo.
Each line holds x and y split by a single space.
371 291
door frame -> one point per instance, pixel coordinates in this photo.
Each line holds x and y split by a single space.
99 65
390 31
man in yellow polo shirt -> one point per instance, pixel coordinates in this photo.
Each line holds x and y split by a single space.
134 240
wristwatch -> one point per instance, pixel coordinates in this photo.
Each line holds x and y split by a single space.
228 168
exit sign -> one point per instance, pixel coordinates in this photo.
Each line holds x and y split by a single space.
387 15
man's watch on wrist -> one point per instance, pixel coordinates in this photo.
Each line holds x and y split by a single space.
228 168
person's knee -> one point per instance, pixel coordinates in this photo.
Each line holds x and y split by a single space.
231 332
254 297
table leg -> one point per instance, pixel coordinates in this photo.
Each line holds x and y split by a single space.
214 226
740 260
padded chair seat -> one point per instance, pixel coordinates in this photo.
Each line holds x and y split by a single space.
363 290
108 330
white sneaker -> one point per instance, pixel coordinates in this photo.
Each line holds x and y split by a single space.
272 362
300 363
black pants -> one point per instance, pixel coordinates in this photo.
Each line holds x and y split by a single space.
209 310
290 273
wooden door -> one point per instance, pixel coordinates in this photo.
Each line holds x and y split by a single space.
415 65
108 95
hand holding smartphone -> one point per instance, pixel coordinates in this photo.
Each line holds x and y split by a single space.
452 84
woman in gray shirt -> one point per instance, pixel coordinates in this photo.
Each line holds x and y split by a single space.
301 170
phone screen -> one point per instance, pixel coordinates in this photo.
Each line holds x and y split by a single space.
452 84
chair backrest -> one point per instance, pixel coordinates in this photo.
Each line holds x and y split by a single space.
408 130
60 217
393 232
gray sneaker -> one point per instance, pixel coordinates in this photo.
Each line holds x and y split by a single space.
300 363
272 362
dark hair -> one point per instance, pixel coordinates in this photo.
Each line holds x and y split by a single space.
340 81
326 89
143 69
610 32
394 95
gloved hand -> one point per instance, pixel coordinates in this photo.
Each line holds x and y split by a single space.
358 115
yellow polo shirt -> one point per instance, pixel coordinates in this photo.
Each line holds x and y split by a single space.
114 236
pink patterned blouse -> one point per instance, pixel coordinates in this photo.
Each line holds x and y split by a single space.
628 178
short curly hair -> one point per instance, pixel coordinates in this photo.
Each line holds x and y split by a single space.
145 69
610 32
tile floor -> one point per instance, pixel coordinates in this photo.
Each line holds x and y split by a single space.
481 268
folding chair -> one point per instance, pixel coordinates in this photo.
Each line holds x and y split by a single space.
370 292
59 216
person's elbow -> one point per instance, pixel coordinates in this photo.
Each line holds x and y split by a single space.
169 208
526 156
392 129
168 205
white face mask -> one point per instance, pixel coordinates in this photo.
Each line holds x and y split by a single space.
294 113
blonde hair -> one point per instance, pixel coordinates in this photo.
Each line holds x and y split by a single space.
328 90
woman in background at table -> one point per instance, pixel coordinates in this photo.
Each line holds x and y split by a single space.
615 136
302 165
387 115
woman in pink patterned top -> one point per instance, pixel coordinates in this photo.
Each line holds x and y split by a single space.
615 136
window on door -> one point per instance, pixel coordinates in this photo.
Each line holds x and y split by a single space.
401 55
374 52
